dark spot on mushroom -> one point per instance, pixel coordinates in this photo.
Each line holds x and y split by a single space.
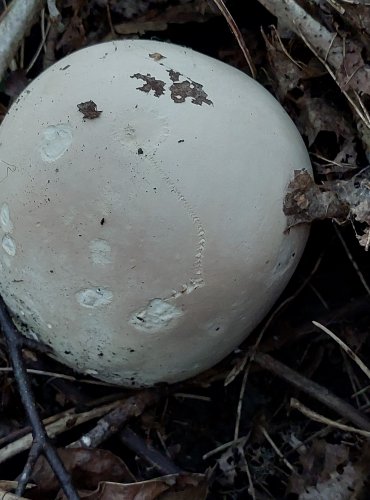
102 221
140 151
65 67
151 83
181 140
174 75
180 91
187 88
67 352
89 110
100 354
217 329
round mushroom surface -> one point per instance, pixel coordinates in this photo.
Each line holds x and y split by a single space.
141 209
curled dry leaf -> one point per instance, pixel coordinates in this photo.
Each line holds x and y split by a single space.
306 201
286 73
317 115
87 468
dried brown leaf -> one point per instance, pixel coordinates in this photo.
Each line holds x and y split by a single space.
317 115
339 486
73 37
197 11
306 201
286 73
319 462
87 467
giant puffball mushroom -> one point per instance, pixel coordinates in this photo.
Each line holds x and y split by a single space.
141 209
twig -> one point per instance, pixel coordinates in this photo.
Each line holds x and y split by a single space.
329 51
241 400
294 403
236 370
222 447
17 20
313 389
352 260
114 421
5 495
14 346
236 32
250 356
156 459
57 425
345 348
275 448
40 47
35 452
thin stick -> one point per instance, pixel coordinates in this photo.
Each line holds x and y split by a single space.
275 448
236 32
110 423
225 446
63 376
152 456
240 401
345 348
58 424
313 389
40 47
14 346
14 24
353 262
294 403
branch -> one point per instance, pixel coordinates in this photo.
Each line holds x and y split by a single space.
18 18
41 443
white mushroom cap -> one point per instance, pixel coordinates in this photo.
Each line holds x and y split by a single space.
144 243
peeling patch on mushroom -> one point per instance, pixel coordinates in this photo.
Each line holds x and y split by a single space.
156 316
100 251
151 84
180 91
6 223
94 297
56 140
9 245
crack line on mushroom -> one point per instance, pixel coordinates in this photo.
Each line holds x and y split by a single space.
9 169
198 280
